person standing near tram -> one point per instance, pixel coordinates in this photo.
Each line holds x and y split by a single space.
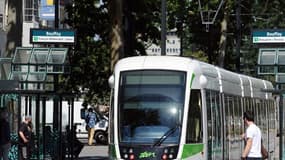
25 135
252 150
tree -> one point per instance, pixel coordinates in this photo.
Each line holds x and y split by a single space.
90 60
117 44
107 31
110 30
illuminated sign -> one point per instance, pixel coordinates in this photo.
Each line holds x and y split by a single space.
147 155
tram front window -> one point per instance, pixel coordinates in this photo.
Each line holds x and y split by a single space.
150 104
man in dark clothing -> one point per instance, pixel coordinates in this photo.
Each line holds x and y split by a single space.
4 136
25 133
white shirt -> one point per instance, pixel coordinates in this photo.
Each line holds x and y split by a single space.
254 132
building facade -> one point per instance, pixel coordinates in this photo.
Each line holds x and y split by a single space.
173 46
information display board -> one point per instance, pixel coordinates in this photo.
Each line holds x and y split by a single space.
268 36
52 36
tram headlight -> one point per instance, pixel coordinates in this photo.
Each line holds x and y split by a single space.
131 150
128 153
165 150
169 153
126 156
170 156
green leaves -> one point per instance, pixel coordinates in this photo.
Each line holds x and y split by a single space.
91 57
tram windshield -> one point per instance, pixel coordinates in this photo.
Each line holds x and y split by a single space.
150 104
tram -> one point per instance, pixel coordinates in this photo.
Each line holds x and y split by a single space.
166 107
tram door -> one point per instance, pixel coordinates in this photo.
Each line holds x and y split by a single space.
214 120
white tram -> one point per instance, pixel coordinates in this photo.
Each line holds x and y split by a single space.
167 107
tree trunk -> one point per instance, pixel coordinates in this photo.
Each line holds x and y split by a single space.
115 10
223 42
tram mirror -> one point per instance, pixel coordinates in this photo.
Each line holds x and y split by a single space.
203 81
111 81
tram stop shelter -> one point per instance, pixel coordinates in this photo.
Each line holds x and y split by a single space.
32 80
271 66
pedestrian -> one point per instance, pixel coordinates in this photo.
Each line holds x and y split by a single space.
5 138
25 135
252 150
90 119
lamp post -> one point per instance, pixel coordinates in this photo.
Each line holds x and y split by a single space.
163 27
238 27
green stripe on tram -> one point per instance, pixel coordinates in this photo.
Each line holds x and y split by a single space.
191 149
192 78
112 151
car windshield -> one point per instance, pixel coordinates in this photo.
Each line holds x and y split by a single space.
150 104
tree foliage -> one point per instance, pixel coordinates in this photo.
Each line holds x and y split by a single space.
215 43
90 59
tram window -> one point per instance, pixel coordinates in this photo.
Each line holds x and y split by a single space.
194 118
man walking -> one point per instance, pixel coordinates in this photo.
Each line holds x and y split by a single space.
252 150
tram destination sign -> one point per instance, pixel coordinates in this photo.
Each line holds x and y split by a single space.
268 36
52 36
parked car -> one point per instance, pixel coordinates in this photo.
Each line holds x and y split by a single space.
101 129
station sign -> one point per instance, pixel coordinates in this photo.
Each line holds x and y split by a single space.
52 36
268 36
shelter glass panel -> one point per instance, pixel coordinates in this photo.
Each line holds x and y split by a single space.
281 69
266 69
267 57
20 68
34 86
22 55
280 78
36 76
38 68
20 76
281 57
39 56
55 69
57 55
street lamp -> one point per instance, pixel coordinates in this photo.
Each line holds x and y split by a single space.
208 16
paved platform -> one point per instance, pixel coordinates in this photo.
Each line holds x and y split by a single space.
94 152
